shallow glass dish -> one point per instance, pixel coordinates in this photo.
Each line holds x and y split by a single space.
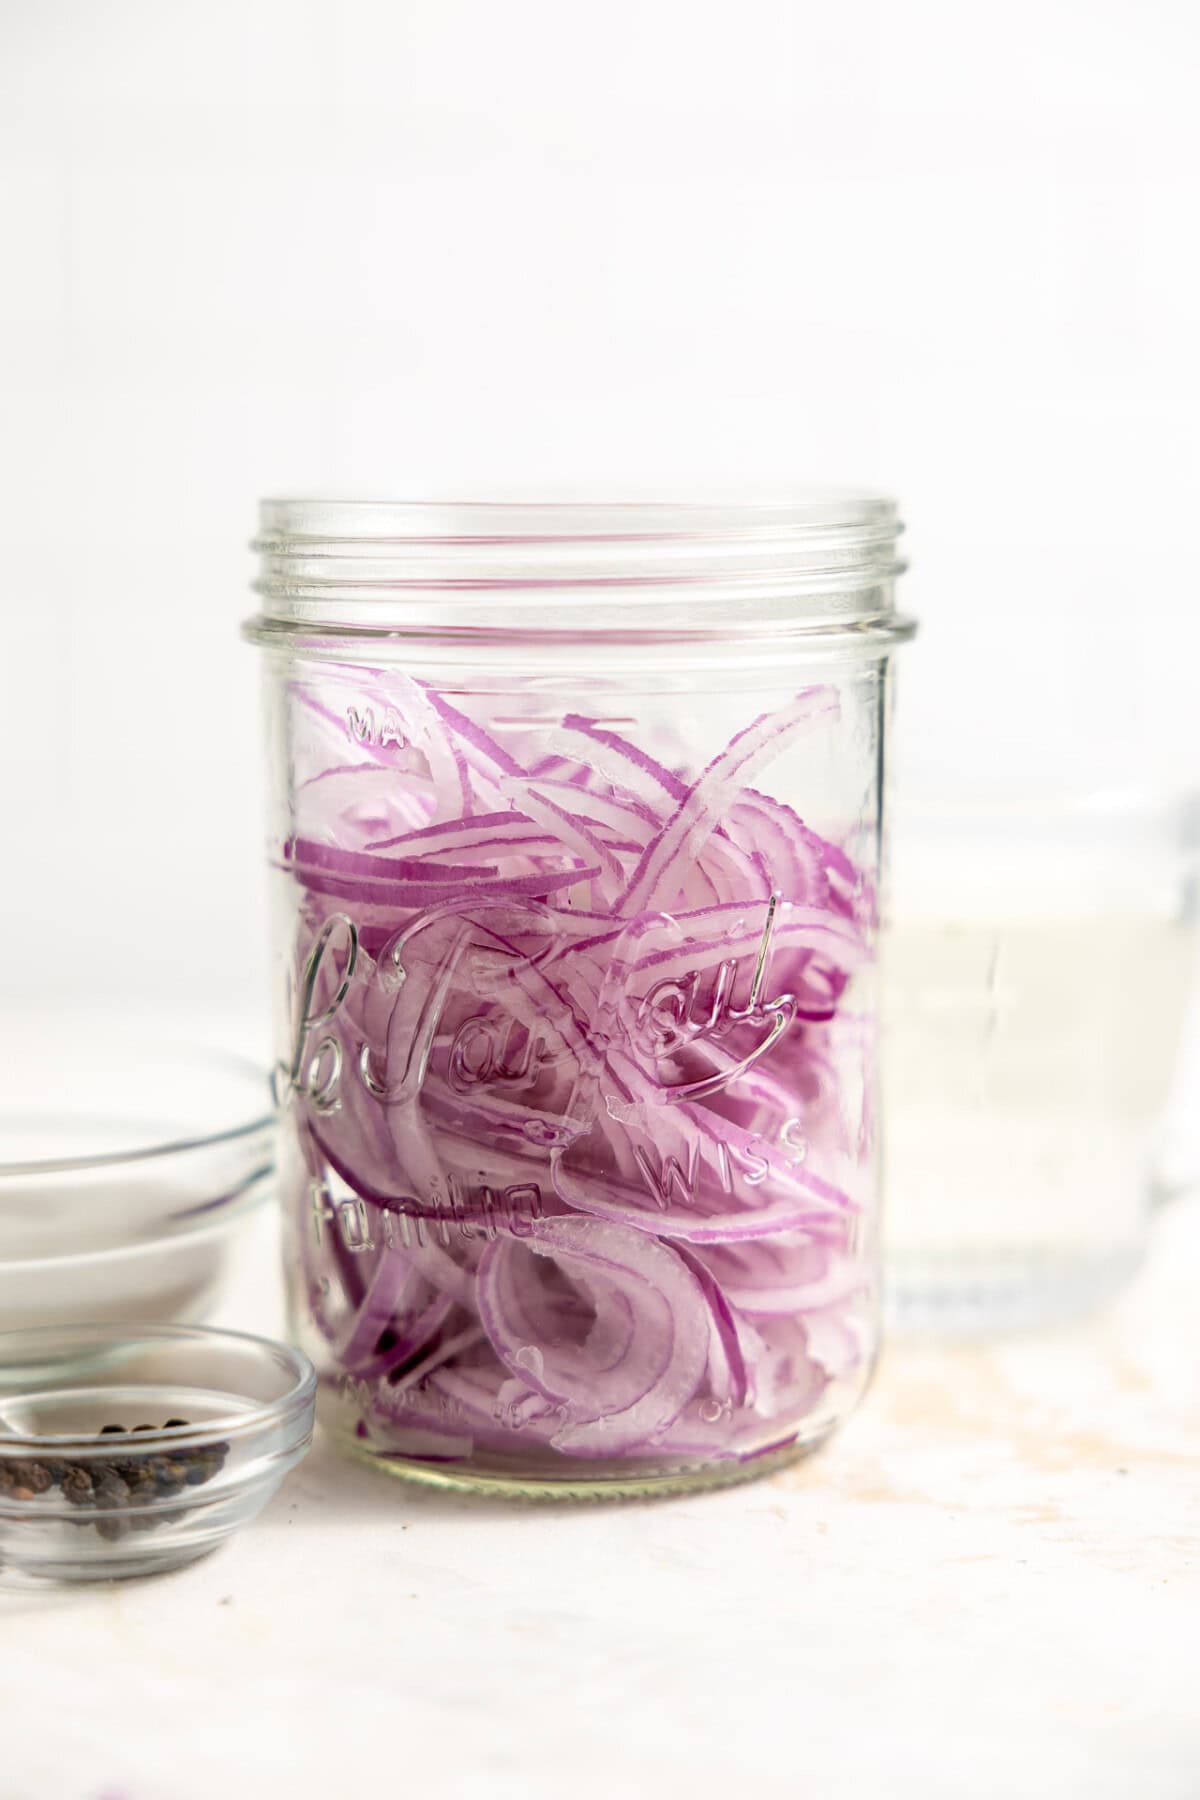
130 1453
127 1165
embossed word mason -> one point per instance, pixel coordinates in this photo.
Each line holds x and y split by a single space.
364 726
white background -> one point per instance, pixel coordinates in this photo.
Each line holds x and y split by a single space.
945 248
941 246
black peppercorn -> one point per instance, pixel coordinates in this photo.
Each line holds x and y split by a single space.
168 1475
77 1486
122 1492
33 1475
108 1486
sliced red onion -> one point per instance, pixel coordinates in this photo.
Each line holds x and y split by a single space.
656 877
576 1087
646 1344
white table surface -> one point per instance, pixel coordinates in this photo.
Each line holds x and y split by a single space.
986 1586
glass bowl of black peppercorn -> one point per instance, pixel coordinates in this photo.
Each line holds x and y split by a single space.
130 1452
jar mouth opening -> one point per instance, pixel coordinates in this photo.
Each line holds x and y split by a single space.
627 562
497 517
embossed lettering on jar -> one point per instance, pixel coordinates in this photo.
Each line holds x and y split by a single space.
576 845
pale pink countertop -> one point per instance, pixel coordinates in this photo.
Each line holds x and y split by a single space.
986 1586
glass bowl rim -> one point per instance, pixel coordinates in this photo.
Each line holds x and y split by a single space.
295 1404
230 1061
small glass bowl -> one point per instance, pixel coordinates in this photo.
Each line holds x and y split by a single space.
128 1165
209 1423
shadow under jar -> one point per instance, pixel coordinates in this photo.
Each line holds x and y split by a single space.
576 839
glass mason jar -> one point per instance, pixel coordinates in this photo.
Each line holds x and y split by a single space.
576 837
1037 981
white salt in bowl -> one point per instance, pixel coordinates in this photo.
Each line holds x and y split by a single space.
128 1169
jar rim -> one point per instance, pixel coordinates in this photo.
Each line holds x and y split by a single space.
494 515
801 558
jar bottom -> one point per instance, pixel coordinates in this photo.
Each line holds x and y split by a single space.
636 1482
